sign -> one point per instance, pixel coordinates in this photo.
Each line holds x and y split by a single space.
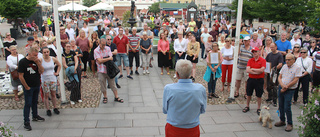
175 12
192 9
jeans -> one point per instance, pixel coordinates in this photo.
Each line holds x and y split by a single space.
125 58
202 50
285 105
305 87
31 100
212 84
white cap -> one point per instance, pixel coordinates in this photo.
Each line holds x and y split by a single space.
246 38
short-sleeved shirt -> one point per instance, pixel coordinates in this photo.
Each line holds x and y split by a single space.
257 43
83 44
99 53
69 58
193 23
244 57
134 40
283 46
30 72
63 37
204 37
145 44
289 73
113 47
253 63
121 43
274 59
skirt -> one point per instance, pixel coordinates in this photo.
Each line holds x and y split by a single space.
163 60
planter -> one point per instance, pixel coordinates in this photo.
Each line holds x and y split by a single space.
91 21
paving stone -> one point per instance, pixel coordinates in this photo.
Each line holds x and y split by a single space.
135 99
76 111
235 113
255 126
42 125
222 128
15 125
233 107
11 112
114 110
141 131
280 132
147 109
114 123
62 132
104 116
206 121
252 134
67 117
33 133
78 124
148 123
17 118
136 104
219 134
240 119
5 118
163 116
215 107
90 132
215 114
141 116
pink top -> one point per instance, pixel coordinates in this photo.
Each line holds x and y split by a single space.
163 45
83 44
28 25
257 43
99 53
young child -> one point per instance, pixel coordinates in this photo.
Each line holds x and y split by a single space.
213 71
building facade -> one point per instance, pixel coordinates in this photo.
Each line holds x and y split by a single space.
205 4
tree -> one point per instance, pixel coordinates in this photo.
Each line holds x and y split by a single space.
250 9
313 19
14 9
155 7
89 3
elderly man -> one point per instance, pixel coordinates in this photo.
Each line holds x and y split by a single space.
284 46
288 80
134 44
183 102
29 69
103 54
255 68
255 41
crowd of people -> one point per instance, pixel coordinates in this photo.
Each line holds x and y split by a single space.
294 60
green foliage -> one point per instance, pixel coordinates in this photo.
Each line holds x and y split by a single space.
6 131
309 118
126 16
151 25
89 3
155 7
13 9
249 9
313 15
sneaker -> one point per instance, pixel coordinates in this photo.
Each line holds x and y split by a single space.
108 86
58 96
120 76
215 95
144 72
56 111
275 104
38 118
150 66
289 128
131 72
118 86
80 101
129 77
27 126
49 112
137 72
72 103
268 100
175 76
280 124
147 71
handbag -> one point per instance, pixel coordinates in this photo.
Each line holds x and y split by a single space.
309 76
15 74
112 69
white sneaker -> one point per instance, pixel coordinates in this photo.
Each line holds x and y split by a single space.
144 72
175 76
147 71
79 100
201 59
72 103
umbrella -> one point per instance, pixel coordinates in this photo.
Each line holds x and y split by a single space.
44 4
100 6
75 7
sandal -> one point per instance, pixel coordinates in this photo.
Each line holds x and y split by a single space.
16 98
245 96
236 95
161 73
105 100
258 111
245 110
118 100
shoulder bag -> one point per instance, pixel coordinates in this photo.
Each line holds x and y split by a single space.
309 76
14 74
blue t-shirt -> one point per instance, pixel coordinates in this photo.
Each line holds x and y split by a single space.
283 46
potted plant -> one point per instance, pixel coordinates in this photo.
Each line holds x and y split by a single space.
91 19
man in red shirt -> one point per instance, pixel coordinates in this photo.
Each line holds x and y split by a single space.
63 36
122 42
255 68
216 26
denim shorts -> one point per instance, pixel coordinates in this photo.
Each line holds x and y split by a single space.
125 58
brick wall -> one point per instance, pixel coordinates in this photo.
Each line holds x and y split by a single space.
119 10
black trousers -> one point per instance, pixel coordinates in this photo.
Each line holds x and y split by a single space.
136 57
272 90
76 92
305 88
84 60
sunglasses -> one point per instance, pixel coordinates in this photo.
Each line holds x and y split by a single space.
296 47
227 41
108 39
313 42
288 59
303 52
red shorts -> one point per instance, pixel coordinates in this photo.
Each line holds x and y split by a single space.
172 131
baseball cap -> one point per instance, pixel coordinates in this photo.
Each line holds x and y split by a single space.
30 38
246 38
216 20
255 49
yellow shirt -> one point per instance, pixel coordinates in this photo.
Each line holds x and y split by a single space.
193 48
193 23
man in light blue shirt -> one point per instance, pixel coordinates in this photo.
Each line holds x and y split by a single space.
284 46
183 102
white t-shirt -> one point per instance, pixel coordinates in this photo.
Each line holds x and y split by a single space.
227 52
71 34
172 19
205 36
228 26
86 30
12 61
293 42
